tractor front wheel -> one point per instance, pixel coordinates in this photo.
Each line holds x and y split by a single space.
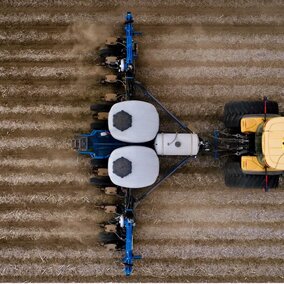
234 177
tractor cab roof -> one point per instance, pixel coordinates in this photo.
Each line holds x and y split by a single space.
133 121
273 143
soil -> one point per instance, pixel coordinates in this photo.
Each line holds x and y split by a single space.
194 56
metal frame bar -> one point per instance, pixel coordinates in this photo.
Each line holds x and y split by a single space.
130 201
129 31
171 171
148 94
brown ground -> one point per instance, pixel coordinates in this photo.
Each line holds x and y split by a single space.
195 56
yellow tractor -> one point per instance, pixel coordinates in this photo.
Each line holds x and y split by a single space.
258 130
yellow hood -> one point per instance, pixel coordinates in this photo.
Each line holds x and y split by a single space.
273 143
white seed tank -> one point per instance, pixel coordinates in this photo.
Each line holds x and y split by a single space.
141 121
140 167
177 144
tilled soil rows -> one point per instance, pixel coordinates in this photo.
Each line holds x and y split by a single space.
194 56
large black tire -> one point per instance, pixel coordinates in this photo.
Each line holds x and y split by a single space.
99 125
101 181
234 111
99 163
104 52
105 238
115 50
108 237
100 107
234 177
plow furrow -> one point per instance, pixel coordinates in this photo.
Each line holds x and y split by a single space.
216 93
44 109
206 37
59 216
25 142
22 178
141 3
187 215
241 56
50 198
212 252
224 197
186 252
37 126
32 55
84 231
35 37
50 73
90 269
190 232
193 216
244 56
147 19
42 163
213 72
52 90
200 37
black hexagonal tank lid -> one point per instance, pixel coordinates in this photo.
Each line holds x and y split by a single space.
122 167
122 120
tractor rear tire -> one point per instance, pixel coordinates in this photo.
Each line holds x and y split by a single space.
99 125
99 163
101 181
100 107
234 177
234 111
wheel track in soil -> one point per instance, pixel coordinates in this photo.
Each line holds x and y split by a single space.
226 51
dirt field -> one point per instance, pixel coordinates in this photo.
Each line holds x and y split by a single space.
194 56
